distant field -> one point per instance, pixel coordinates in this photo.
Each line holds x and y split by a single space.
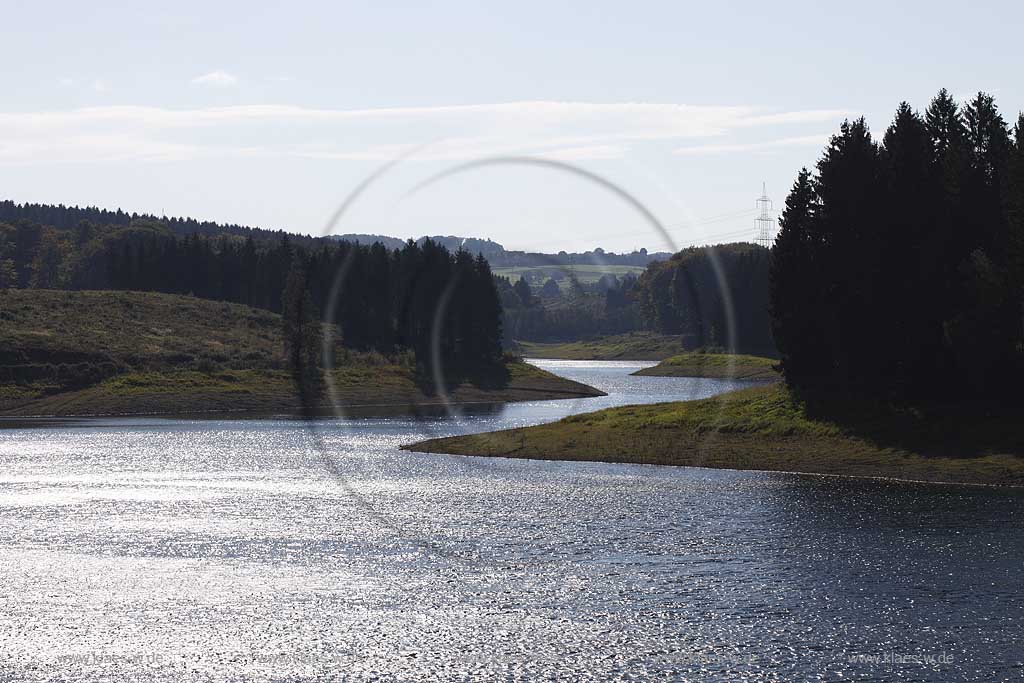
631 346
585 274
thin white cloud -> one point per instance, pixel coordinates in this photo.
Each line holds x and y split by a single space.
577 130
94 148
461 149
662 119
218 78
803 140
796 117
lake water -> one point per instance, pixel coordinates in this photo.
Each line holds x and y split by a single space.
236 550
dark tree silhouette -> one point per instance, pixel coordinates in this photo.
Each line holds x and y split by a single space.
794 302
897 270
684 296
522 288
550 290
302 335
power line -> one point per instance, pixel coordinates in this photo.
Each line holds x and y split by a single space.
710 220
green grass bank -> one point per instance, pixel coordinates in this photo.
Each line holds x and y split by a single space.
714 365
123 353
765 428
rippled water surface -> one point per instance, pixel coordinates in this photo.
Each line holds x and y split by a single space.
147 549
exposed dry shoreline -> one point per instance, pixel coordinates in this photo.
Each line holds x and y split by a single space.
264 392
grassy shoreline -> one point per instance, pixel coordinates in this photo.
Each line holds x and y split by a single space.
764 428
271 391
90 353
714 365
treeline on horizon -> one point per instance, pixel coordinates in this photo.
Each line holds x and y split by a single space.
500 257
898 270
387 300
69 217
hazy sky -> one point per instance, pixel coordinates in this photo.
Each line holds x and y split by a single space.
269 114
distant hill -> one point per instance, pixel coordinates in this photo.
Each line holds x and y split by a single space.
389 242
473 245
69 217
499 257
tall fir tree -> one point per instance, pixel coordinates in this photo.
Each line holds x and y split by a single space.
951 157
302 336
795 286
488 311
988 144
1015 227
849 184
910 313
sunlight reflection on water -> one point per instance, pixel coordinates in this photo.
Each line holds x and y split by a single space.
163 549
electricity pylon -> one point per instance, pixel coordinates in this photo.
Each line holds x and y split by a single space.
764 224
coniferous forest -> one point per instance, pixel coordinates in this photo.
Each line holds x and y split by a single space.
898 270
387 300
684 296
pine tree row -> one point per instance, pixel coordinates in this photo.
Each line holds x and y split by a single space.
899 267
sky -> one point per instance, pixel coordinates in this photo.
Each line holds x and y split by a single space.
273 114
